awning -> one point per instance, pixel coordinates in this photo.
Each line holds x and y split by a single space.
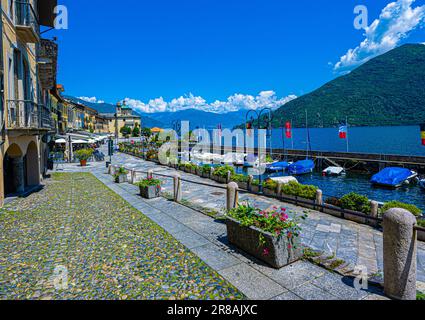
60 141
80 142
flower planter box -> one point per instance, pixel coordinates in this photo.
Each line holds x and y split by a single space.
336 211
242 185
332 210
269 192
247 239
206 175
121 178
150 192
219 179
198 172
194 171
306 203
83 163
255 189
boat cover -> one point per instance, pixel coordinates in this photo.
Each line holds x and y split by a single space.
278 166
392 176
301 167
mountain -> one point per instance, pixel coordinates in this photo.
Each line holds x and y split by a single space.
387 90
198 118
147 121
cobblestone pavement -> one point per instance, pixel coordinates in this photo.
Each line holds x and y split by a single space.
206 237
109 249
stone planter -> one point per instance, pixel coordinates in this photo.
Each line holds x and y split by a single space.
421 235
336 211
219 179
150 192
306 203
121 178
242 185
269 192
255 189
332 210
248 239
205 175
194 171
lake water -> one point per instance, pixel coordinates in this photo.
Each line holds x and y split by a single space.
405 140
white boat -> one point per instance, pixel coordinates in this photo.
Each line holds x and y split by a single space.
334 171
284 180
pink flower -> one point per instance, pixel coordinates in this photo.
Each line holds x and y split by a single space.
289 247
289 235
284 217
266 252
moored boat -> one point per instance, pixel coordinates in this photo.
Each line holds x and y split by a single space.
278 167
334 171
393 177
301 167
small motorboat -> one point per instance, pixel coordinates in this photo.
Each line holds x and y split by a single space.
277 167
301 167
334 171
393 177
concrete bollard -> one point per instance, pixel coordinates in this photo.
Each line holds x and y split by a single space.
110 169
319 197
400 254
374 213
132 176
232 200
150 174
212 172
279 189
229 177
177 188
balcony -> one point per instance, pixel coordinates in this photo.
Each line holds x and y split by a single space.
26 22
27 115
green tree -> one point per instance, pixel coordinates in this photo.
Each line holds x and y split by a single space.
125 131
136 131
146 132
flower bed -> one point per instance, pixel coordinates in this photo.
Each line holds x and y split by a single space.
221 174
241 180
270 236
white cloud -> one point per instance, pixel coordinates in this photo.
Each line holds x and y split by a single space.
235 102
91 99
394 24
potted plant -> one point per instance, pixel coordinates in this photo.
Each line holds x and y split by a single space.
241 180
294 192
223 173
270 188
271 236
255 186
150 188
83 155
120 175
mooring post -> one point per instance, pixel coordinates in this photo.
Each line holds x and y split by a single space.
177 188
279 188
319 197
400 254
374 212
232 200
150 174
229 177
211 172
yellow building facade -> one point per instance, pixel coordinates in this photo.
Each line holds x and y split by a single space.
25 116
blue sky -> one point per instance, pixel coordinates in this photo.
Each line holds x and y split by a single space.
209 50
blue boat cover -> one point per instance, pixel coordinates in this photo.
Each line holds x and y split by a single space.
278 166
391 176
301 167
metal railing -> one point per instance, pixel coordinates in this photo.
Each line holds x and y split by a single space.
25 114
26 16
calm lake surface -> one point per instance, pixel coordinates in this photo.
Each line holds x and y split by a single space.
381 140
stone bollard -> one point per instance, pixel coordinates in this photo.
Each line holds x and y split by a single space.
400 245
150 174
177 188
250 179
232 200
319 197
229 177
279 189
132 176
374 212
110 169
212 172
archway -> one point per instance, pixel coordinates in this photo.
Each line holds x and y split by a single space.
32 165
13 170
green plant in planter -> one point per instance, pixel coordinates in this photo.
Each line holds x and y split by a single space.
355 202
421 223
239 178
223 170
270 185
206 169
84 154
274 221
299 190
255 182
149 183
396 204
121 171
